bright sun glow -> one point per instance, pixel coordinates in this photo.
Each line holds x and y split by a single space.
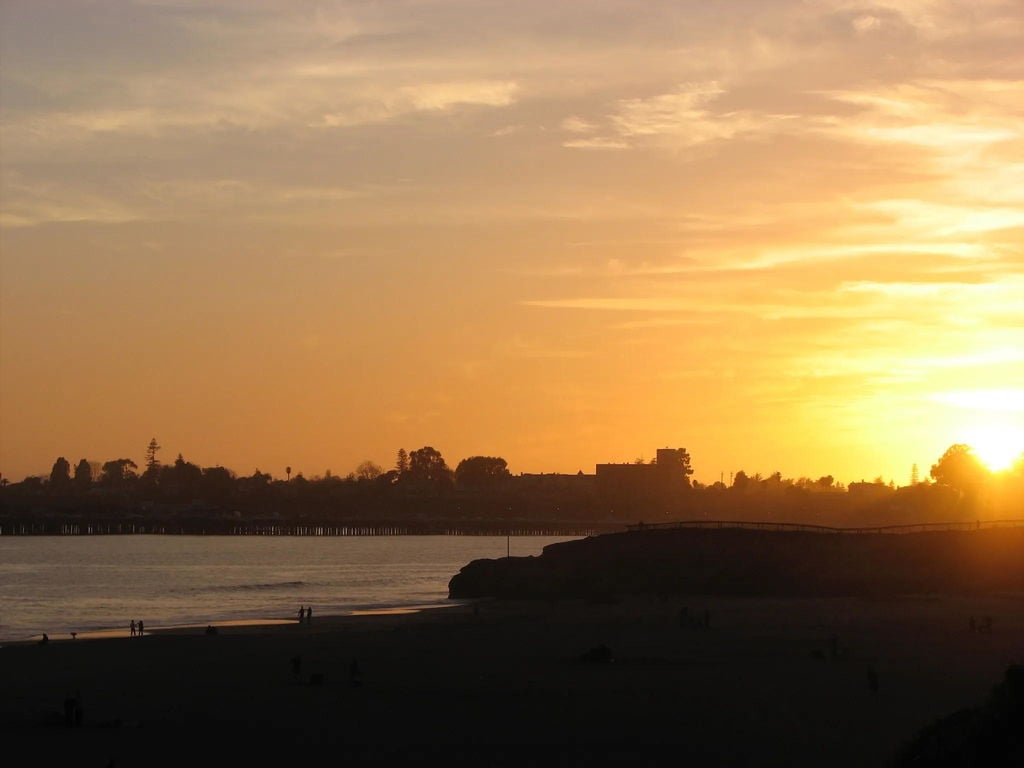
997 446
999 400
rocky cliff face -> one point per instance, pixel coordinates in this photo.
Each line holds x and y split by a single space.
755 563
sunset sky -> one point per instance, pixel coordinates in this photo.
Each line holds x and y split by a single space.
785 235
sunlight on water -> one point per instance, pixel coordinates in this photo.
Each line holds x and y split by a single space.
95 585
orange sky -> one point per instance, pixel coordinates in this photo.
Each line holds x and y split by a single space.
787 236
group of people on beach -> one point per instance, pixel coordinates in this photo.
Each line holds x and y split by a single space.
686 621
305 614
135 628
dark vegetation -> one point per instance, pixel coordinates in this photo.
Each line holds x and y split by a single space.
990 735
422 487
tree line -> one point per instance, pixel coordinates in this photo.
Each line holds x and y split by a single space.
422 472
421 484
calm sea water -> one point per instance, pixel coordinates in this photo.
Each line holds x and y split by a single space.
98 584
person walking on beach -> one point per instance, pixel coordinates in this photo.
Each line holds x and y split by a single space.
132 627
309 614
302 612
140 627
73 709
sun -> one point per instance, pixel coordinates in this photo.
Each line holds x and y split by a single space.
997 446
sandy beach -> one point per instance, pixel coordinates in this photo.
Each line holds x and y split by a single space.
738 682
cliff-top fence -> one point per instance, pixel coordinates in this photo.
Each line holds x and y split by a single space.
777 526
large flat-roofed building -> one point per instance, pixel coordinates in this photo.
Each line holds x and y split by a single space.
645 488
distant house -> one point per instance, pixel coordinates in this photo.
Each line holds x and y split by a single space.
870 491
554 494
555 482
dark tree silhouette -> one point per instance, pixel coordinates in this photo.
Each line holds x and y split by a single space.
83 475
152 463
368 470
387 479
118 471
481 472
182 479
428 470
679 458
60 475
260 479
741 481
217 484
402 461
959 468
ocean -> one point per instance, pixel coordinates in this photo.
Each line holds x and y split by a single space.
96 585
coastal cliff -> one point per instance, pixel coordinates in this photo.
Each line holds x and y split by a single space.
754 563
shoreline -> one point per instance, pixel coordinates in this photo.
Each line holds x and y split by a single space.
327 620
765 682
60 585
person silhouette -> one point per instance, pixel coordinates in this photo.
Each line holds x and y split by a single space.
309 613
132 627
140 627
302 612
70 711
872 679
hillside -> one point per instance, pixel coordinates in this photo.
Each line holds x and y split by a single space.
755 563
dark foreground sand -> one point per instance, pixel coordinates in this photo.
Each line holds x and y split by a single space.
506 684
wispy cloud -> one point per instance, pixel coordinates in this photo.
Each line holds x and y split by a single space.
679 119
433 96
809 209
597 142
123 200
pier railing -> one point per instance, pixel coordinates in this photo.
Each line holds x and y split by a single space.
228 527
568 528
